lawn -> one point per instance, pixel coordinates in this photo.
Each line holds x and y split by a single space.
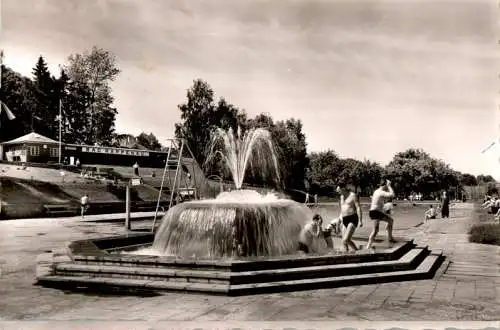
486 230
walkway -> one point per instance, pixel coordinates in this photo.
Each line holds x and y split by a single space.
469 290
111 217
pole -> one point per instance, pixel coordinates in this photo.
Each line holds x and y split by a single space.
176 174
161 187
60 130
127 207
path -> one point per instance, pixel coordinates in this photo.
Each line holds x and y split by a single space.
469 290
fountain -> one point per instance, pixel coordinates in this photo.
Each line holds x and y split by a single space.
241 242
237 223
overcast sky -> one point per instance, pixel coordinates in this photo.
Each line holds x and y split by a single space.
367 78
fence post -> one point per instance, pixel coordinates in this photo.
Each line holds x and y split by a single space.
127 206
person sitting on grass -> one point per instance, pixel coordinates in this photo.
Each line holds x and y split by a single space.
431 213
309 232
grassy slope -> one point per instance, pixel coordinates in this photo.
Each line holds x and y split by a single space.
24 192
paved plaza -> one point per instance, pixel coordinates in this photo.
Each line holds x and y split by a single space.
468 290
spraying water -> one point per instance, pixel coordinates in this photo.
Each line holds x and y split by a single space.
237 223
255 149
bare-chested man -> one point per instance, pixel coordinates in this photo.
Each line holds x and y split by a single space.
377 213
350 214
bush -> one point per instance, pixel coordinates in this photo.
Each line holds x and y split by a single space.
487 233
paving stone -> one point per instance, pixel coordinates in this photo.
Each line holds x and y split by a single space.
421 300
445 290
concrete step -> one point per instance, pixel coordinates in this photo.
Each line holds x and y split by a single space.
425 270
240 265
408 261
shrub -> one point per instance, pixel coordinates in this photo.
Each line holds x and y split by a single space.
486 233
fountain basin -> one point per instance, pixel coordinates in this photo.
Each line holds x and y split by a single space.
96 264
239 223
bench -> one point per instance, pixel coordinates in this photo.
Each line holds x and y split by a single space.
60 210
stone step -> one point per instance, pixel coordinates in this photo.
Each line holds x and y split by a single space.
425 270
250 264
407 262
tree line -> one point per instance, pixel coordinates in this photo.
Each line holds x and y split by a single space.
82 90
81 93
412 170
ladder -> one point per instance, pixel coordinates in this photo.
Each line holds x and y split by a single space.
176 149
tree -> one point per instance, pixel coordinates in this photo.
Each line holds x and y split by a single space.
18 94
416 171
467 179
371 175
291 150
200 116
46 110
485 179
149 141
325 167
92 72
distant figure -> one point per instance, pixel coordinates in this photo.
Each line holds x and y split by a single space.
431 213
77 163
136 169
84 204
310 231
377 213
445 206
63 174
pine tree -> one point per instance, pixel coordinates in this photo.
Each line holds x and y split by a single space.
46 110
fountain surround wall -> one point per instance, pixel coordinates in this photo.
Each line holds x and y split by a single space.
239 223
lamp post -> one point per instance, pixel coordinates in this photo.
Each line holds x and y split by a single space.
60 130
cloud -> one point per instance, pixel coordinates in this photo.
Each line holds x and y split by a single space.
330 63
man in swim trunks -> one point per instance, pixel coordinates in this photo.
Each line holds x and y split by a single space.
350 214
377 213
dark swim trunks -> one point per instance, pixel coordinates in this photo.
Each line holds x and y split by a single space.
377 215
353 218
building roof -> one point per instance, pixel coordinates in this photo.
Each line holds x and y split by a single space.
31 138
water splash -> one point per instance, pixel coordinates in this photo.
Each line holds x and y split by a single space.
255 149
239 223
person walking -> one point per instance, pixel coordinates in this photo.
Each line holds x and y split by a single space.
136 169
445 206
84 204
377 213
350 214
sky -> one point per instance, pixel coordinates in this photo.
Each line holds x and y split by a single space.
367 78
